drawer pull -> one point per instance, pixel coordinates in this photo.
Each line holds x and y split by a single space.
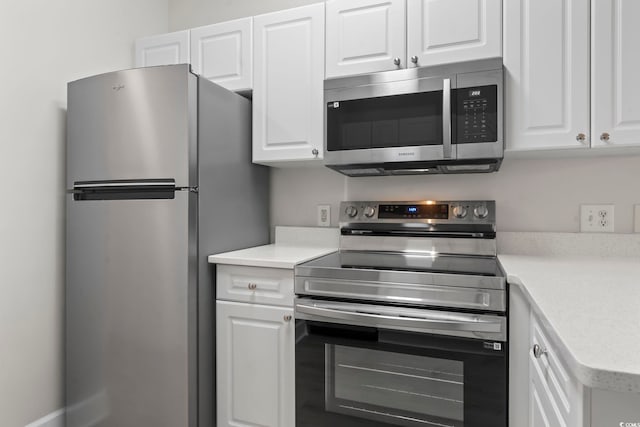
287 318
538 351
252 286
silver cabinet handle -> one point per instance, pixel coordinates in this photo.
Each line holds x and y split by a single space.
287 318
538 351
315 152
605 137
414 59
252 286
581 137
396 61
446 117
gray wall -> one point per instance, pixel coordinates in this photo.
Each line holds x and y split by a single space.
44 45
531 194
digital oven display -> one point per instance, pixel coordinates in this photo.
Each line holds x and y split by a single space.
414 211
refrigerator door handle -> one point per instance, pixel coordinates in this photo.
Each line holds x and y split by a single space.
125 189
124 184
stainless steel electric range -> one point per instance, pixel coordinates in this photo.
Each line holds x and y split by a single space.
406 325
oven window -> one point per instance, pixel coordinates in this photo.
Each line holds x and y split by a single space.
391 121
354 376
413 390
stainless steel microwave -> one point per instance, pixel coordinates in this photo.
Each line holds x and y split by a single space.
443 119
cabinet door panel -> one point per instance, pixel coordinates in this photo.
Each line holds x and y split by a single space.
364 36
255 365
546 74
223 53
615 71
163 49
288 85
446 31
543 412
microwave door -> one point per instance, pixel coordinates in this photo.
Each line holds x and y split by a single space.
390 122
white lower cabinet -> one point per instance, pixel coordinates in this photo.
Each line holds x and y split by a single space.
541 410
255 365
542 391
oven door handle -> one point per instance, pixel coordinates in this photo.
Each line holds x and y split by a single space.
428 321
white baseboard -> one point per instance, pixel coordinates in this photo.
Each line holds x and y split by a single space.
54 419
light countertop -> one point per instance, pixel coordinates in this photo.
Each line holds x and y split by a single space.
293 245
276 255
593 306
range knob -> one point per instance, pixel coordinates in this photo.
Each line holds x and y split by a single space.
351 211
369 211
481 211
459 211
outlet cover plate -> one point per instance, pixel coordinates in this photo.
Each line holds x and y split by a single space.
596 218
324 215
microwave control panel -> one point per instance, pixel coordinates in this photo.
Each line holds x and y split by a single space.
476 114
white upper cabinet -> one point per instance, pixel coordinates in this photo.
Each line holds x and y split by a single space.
223 53
163 49
447 31
615 62
546 59
288 121
365 36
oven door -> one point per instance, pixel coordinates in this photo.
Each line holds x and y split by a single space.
390 374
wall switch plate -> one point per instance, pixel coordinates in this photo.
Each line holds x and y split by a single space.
324 215
636 221
596 219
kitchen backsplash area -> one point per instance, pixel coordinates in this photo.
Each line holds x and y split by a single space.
537 194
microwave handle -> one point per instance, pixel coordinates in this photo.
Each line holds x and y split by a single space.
446 117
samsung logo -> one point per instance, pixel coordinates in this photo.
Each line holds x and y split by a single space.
406 153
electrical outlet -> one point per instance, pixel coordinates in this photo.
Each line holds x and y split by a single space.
324 215
596 219
636 222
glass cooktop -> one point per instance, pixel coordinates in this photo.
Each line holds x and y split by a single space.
426 263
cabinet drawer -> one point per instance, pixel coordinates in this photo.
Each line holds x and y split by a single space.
551 370
255 284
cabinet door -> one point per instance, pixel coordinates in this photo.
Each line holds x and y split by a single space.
223 53
546 60
365 36
163 49
542 412
615 70
255 365
446 31
288 121
539 417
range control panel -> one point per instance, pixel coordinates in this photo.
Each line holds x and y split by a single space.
474 211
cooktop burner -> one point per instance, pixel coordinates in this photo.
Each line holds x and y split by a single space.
448 264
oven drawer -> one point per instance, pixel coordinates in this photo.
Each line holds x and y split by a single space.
255 285
548 370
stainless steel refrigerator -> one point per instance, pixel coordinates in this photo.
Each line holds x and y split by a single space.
159 176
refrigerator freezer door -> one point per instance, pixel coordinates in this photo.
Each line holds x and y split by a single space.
133 124
131 312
